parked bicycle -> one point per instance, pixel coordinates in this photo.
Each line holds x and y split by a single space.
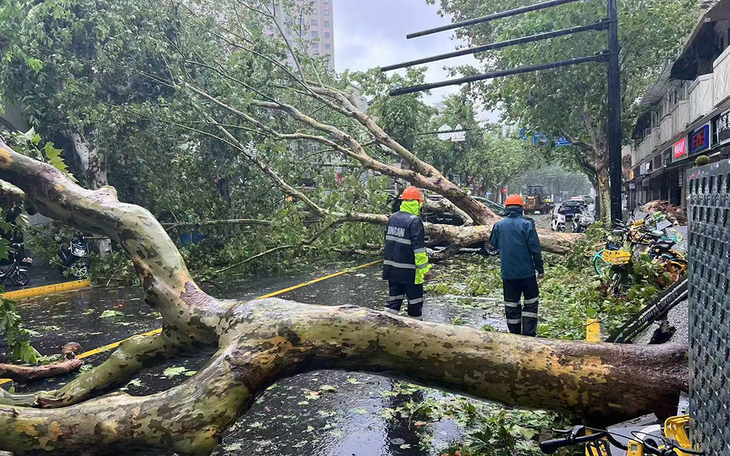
597 441
628 242
611 263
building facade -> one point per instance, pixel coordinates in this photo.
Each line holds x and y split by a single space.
314 25
688 114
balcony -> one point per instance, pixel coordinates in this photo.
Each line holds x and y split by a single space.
656 136
701 97
645 148
721 71
680 117
666 129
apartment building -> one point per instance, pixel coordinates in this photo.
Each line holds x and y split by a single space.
314 25
688 114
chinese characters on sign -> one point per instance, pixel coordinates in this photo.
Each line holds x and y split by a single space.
699 139
680 149
722 128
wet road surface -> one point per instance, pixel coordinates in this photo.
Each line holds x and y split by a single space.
330 413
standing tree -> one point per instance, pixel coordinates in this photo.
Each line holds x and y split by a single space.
573 101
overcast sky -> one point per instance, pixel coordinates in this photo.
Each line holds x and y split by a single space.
370 33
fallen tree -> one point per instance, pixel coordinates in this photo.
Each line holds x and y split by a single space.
258 342
29 373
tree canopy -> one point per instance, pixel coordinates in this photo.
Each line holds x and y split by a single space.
572 101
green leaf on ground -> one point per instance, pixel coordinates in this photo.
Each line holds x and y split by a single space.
111 314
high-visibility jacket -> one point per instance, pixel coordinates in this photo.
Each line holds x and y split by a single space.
405 260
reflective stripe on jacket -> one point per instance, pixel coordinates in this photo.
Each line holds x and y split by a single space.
405 260
519 248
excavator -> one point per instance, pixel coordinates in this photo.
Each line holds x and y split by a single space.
536 202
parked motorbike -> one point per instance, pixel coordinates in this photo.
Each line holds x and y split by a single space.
73 257
582 221
558 221
16 271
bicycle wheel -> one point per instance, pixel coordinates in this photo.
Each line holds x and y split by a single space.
79 270
602 268
20 278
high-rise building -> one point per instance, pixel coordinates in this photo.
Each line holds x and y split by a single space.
316 26
321 27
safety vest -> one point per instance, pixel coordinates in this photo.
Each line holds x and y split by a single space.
404 242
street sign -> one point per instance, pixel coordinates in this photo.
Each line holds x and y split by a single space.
562 142
539 139
445 136
458 136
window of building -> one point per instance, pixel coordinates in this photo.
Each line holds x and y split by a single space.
326 23
327 46
326 2
326 34
314 22
326 12
314 34
314 10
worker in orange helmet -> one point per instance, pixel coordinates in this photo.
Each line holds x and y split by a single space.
516 240
406 266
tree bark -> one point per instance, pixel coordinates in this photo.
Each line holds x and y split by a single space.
603 197
92 166
261 341
31 373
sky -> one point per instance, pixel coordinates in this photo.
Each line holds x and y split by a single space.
370 33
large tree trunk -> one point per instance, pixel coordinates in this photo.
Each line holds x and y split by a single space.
603 197
94 169
92 165
261 341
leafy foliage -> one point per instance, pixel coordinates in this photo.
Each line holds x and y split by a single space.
570 292
490 430
572 101
29 144
11 325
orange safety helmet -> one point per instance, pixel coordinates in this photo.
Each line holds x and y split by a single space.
412 193
514 200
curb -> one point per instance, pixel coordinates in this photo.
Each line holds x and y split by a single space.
47 289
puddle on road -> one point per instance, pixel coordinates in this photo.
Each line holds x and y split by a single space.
328 413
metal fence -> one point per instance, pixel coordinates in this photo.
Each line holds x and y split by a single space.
709 315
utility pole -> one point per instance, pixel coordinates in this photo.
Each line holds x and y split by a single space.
614 112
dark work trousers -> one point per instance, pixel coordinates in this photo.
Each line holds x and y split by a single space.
521 319
399 291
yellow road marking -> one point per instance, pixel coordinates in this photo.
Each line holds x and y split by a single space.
47 289
311 282
114 345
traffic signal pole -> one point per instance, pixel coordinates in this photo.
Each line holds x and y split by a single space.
614 113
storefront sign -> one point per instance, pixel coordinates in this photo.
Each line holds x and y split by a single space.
721 128
680 149
699 139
